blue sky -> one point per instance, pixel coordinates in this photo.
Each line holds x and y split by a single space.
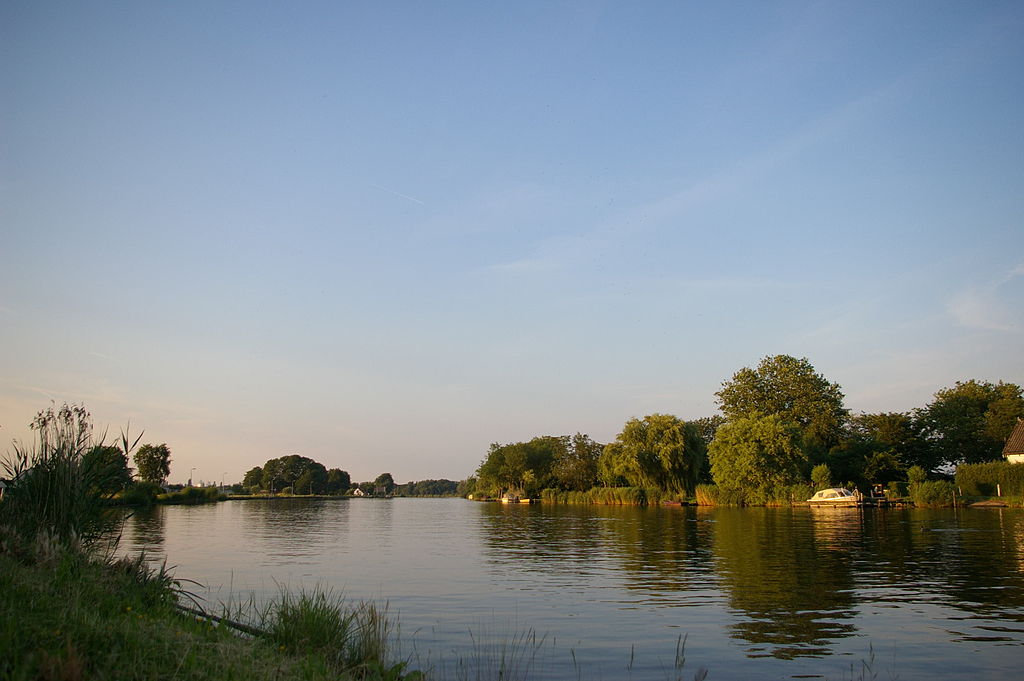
385 235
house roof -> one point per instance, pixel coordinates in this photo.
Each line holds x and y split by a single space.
1015 443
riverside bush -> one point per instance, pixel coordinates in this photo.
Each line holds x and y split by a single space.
932 493
140 494
896 489
193 495
981 479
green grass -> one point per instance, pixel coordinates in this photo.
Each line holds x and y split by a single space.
71 618
65 616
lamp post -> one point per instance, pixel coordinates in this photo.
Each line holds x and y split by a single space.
222 476
190 476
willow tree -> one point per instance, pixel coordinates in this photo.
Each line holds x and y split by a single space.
757 454
659 451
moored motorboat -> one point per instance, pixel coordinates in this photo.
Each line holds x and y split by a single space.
835 496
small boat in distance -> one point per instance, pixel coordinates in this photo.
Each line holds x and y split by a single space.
510 498
835 496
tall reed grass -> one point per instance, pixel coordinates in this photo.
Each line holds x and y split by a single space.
53 487
612 496
355 638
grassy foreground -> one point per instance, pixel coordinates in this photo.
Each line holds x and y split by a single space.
69 610
63 616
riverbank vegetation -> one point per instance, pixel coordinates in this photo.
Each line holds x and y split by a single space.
71 609
783 433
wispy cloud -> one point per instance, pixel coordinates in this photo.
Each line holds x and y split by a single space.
988 306
398 194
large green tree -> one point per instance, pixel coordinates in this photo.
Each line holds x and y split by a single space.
385 482
153 463
253 478
520 467
792 389
969 422
895 432
300 473
338 481
108 465
659 451
708 426
575 463
756 454
312 480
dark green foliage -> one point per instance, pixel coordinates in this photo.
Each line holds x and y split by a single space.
55 486
141 494
338 481
896 489
969 423
108 464
466 487
981 479
253 478
193 495
428 488
899 433
882 468
790 388
916 474
521 467
384 483
846 460
301 474
708 426
575 463
153 463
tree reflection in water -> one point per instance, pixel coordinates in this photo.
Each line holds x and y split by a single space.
789 576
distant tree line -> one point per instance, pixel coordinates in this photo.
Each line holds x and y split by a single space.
428 488
782 424
294 474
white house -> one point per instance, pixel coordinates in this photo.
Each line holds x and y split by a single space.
1013 451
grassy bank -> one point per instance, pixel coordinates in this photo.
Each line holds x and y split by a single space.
65 616
69 610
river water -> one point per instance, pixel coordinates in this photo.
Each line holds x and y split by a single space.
600 592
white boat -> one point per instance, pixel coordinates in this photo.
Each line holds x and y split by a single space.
835 496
